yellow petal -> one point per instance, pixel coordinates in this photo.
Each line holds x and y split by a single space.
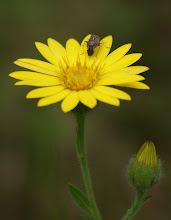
105 98
57 49
38 66
135 69
39 83
115 72
72 48
70 102
83 56
104 48
47 53
35 79
115 93
27 75
53 98
147 154
135 85
128 70
127 60
119 79
87 98
117 54
43 92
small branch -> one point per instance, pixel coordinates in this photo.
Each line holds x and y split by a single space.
137 204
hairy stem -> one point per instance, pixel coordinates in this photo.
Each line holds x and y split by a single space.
137 204
81 152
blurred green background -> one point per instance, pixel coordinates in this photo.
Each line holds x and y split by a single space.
37 145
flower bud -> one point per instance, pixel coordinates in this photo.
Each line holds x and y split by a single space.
144 169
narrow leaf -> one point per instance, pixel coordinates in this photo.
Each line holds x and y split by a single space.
81 199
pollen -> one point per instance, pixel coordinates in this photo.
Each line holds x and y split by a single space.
80 76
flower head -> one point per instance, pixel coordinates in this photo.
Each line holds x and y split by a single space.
144 169
72 76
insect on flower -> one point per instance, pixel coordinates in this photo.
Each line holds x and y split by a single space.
92 43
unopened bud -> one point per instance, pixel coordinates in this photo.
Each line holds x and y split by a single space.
144 169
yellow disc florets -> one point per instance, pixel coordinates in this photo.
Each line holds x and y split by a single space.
80 76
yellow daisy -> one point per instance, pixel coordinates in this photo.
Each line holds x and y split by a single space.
72 76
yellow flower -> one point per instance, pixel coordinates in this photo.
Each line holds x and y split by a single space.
71 76
147 154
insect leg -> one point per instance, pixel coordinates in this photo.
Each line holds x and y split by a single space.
83 47
103 43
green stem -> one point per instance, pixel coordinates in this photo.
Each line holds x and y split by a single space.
80 118
138 202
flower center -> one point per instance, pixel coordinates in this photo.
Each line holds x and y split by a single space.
80 77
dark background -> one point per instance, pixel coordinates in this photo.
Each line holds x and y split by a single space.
37 145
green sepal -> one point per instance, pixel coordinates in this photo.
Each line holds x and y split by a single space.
146 198
82 217
81 199
143 177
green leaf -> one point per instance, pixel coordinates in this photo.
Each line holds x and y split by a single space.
146 198
81 199
82 217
